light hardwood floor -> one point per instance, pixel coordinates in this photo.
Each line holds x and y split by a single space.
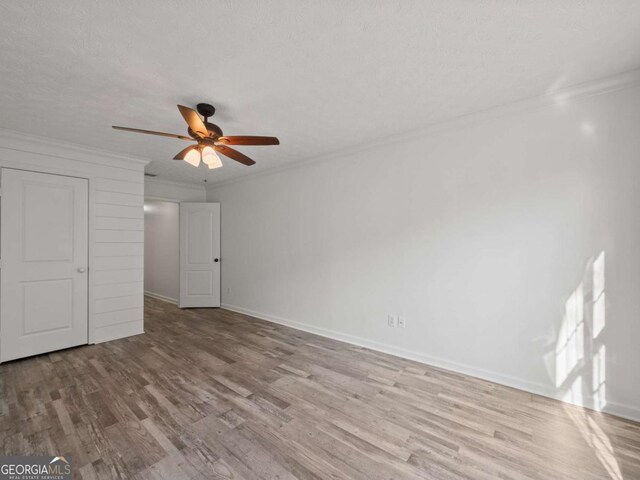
214 394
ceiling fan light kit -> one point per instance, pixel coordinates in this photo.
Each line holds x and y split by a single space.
193 157
209 139
210 158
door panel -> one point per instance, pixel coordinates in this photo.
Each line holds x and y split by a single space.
44 252
199 255
199 226
199 283
54 204
48 305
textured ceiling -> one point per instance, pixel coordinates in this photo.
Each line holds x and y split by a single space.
321 75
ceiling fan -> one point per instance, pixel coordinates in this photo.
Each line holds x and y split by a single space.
209 139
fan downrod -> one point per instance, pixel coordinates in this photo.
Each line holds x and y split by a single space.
206 110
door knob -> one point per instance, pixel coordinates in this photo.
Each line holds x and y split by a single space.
82 270
216 260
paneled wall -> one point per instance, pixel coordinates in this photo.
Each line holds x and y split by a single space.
118 254
116 225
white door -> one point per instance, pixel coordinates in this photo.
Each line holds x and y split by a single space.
199 255
44 253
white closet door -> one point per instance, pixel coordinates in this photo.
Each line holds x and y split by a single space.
199 255
44 254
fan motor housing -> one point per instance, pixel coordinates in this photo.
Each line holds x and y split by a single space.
212 127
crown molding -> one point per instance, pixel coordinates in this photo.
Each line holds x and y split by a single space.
598 87
13 140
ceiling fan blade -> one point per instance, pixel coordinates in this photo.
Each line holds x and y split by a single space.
183 153
193 120
151 132
234 154
248 140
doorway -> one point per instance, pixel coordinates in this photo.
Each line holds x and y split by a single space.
162 250
182 252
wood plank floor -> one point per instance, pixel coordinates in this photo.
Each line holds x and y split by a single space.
213 394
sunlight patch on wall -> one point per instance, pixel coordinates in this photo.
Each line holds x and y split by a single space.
570 342
598 296
599 387
580 352
581 360
573 393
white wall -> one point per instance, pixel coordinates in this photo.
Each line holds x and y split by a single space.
160 189
161 250
478 234
116 225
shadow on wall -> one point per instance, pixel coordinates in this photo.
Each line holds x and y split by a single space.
580 360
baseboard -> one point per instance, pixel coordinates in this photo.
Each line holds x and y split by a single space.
161 297
620 410
117 331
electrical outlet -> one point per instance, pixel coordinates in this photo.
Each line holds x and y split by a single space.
402 322
228 289
392 321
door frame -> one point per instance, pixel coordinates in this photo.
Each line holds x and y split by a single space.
90 213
